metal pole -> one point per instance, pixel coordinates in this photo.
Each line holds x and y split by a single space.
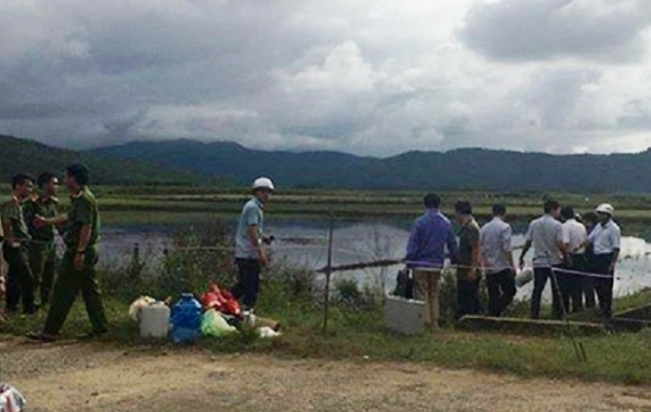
328 272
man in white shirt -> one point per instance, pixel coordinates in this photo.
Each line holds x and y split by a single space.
497 256
546 236
574 238
605 240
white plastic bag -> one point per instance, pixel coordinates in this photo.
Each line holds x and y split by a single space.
134 310
267 332
523 277
10 399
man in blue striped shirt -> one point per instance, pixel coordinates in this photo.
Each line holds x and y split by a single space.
430 235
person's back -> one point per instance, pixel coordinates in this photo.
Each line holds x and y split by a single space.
546 233
575 236
426 254
431 233
496 248
495 243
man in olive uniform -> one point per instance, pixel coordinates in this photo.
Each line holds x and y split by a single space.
20 282
42 250
77 272
468 270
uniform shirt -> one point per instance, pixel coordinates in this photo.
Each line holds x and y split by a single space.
12 211
495 243
83 211
44 207
429 236
545 233
605 239
468 239
575 234
252 215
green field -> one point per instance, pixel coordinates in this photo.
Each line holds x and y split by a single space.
162 205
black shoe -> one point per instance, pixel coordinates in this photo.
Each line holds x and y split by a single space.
41 337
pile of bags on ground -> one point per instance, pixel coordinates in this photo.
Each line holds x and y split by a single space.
217 314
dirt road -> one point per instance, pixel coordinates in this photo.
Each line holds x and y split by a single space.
88 378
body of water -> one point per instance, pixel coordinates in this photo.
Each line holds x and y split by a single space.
304 243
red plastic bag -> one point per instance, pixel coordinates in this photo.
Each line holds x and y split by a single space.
221 300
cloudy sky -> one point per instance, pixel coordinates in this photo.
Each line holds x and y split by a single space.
372 77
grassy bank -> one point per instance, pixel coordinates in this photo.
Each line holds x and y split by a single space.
359 335
356 331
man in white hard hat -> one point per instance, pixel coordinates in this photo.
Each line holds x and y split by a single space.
250 255
605 240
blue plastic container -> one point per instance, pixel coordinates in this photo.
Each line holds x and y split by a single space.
186 319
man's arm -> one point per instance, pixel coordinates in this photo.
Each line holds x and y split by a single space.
254 238
525 250
527 245
507 246
84 237
616 249
476 253
9 231
58 220
453 248
413 244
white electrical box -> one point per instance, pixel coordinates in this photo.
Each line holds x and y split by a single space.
403 315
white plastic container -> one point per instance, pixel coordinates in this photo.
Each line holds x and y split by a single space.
525 276
155 320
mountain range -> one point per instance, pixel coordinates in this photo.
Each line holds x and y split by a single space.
24 155
461 169
194 162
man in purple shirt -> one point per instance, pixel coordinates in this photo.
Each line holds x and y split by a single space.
430 235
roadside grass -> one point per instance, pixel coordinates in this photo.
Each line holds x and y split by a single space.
357 334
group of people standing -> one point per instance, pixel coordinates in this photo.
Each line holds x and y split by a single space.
578 256
33 281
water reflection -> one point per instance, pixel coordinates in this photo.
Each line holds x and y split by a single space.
305 244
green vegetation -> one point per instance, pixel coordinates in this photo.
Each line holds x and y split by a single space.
355 330
22 155
467 169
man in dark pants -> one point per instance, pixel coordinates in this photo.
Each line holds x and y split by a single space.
77 272
20 281
574 239
468 275
546 236
42 250
497 255
250 255
605 240
590 221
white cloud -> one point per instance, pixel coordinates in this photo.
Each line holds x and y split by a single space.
378 77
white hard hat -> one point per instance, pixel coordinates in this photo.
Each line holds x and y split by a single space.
263 183
606 208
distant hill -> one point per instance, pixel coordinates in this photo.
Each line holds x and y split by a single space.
473 169
23 155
